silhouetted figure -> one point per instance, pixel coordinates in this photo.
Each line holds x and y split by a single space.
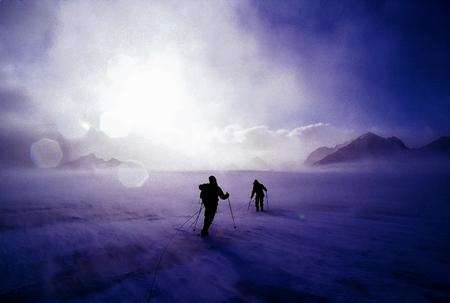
258 190
210 193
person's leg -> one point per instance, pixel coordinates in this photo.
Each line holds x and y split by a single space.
261 203
213 210
207 221
256 203
210 212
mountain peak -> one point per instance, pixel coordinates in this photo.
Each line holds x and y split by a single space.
366 146
368 136
91 161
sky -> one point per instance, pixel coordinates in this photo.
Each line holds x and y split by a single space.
221 84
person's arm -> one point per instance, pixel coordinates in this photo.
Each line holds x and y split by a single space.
222 195
264 188
253 192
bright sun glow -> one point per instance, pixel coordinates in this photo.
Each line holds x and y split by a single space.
147 96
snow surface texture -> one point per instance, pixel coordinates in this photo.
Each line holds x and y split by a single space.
326 237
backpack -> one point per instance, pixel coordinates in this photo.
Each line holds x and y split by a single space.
203 191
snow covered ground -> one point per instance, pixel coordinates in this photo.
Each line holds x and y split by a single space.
327 237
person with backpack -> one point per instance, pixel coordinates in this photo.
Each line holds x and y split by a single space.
210 194
258 190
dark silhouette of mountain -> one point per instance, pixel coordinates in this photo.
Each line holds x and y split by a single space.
437 150
373 147
319 154
367 146
91 161
440 146
322 152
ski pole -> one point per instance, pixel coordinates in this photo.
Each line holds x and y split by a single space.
189 219
249 203
231 211
198 215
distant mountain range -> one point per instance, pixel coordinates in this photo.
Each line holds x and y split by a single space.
91 161
373 147
15 150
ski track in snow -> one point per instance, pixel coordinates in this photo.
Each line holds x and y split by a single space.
327 237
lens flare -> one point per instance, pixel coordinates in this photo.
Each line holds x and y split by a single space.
114 124
46 153
132 174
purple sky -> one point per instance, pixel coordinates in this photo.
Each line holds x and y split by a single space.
246 74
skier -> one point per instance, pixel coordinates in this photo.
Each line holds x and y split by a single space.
258 190
210 193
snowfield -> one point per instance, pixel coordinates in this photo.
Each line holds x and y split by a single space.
326 237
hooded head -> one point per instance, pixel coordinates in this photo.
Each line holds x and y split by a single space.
212 180
255 182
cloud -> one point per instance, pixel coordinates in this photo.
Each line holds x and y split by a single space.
263 138
196 84
273 148
224 69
